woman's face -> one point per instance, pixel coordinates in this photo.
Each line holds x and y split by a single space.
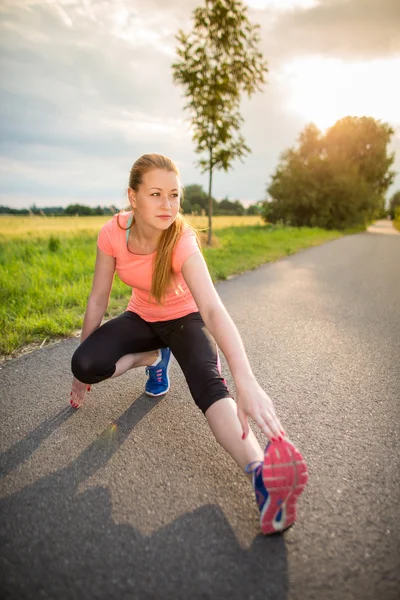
156 202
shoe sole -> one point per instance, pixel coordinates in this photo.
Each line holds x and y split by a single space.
285 476
169 383
156 395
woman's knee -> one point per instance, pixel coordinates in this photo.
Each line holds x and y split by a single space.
87 369
209 390
81 366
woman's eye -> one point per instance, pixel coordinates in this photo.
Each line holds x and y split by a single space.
158 193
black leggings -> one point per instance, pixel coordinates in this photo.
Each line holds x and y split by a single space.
188 338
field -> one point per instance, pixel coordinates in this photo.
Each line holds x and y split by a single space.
16 226
47 268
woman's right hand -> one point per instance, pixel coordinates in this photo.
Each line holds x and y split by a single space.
78 392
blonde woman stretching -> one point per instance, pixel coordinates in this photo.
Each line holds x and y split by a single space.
175 310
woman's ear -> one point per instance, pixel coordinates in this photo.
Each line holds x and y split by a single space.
132 198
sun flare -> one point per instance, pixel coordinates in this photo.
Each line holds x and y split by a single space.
324 90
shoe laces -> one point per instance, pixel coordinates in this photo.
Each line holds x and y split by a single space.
154 373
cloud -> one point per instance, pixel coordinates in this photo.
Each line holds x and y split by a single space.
86 88
82 92
356 29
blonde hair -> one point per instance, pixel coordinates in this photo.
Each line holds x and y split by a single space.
162 266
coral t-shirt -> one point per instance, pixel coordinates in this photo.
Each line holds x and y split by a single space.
136 271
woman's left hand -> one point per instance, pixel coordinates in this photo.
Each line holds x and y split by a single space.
253 402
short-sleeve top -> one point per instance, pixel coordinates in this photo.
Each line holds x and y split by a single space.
136 271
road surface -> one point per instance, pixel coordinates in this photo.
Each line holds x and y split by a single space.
131 498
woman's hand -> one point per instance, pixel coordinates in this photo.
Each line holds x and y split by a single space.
253 402
78 392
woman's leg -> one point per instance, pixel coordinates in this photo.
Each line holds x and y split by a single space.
120 344
225 425
131 361
279 474
196 352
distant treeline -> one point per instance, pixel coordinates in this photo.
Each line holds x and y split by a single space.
195 201
60 211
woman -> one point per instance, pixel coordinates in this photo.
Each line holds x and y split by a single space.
175 310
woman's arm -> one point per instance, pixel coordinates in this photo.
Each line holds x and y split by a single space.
216 318
252 400
95 309
100 293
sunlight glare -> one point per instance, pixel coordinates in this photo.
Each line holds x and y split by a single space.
324 90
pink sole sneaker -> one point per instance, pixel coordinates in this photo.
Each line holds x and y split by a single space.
285 475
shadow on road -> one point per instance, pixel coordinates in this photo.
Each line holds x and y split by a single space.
23 449
60 544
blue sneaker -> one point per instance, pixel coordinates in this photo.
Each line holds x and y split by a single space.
158 381
278 481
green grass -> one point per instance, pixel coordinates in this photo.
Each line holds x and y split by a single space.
243 248
396 220
45 281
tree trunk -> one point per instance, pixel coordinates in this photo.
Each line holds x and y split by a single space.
210 204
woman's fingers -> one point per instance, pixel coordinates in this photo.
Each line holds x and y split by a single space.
244 422
255 403
264 426
271 423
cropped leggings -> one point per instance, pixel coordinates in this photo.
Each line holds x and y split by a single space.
187 337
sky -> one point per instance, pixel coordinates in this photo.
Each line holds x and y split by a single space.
86 88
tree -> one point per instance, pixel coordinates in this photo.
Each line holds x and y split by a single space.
335 180
34 210
6 210
394 203
194 195
78 209
218 61
227 207
254 209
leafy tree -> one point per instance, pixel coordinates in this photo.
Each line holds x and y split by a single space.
34 210
195 199
6 210
78 209
239 208
394 203
194 194
227 207
218 61
186 206
196 209
53 210
254 209
335 180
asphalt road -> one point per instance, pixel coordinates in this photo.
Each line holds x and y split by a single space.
131 498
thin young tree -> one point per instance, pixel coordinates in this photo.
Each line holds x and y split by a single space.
218 61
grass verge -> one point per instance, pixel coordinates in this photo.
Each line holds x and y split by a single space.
45 281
